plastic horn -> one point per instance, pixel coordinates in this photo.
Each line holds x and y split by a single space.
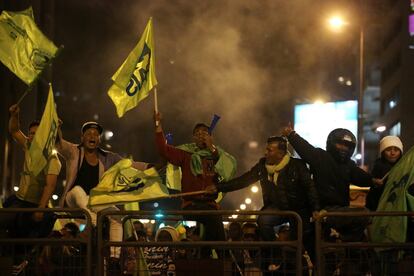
213 124
169 138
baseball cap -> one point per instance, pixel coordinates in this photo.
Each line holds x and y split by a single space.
88 125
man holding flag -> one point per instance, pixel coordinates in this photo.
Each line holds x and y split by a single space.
202 164
39 176
85 165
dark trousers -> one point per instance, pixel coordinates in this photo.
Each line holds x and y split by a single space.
21 225
267 225
349 228
213 224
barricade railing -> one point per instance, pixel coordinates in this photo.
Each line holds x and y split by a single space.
337 257
294 247
32 247
341 251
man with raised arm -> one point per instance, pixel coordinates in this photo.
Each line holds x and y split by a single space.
202 164
333 171
286 186
85 164
34 191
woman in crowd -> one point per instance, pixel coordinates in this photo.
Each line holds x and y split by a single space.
390 150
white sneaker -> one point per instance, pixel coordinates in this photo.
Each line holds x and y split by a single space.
334 233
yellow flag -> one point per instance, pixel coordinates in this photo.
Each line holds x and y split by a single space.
44 140
24 49
122 183
173 177
136 76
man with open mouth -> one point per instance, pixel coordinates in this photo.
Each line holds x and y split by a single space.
85 164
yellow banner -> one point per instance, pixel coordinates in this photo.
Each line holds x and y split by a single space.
44 140
136 76
122 183
24 49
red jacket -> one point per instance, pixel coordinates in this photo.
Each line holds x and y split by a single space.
189 182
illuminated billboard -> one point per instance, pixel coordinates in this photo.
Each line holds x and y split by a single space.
411 31
314 121
411 24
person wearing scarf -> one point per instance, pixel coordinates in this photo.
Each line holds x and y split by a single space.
286 185
202 164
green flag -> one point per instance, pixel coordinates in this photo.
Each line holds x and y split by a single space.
136 76
225 166
395 198
44 140
24 49
122 183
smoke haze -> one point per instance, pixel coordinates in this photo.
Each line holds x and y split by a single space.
247 61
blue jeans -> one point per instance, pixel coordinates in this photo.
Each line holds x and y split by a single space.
268 222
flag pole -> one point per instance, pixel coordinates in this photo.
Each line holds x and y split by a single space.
162 197
24 95
176 195
385 176
156 104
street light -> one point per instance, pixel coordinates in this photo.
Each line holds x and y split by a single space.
336 24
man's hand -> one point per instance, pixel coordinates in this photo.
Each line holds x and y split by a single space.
287 130
14 126
157 121
318 214
14 110
378 181
37 216
211 190
157 117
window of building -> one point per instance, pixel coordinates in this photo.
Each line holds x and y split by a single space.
389 69
394 31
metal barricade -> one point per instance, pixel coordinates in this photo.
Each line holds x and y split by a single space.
290 251
27 251
363 257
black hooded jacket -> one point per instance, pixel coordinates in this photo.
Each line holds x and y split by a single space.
295 190
332 178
